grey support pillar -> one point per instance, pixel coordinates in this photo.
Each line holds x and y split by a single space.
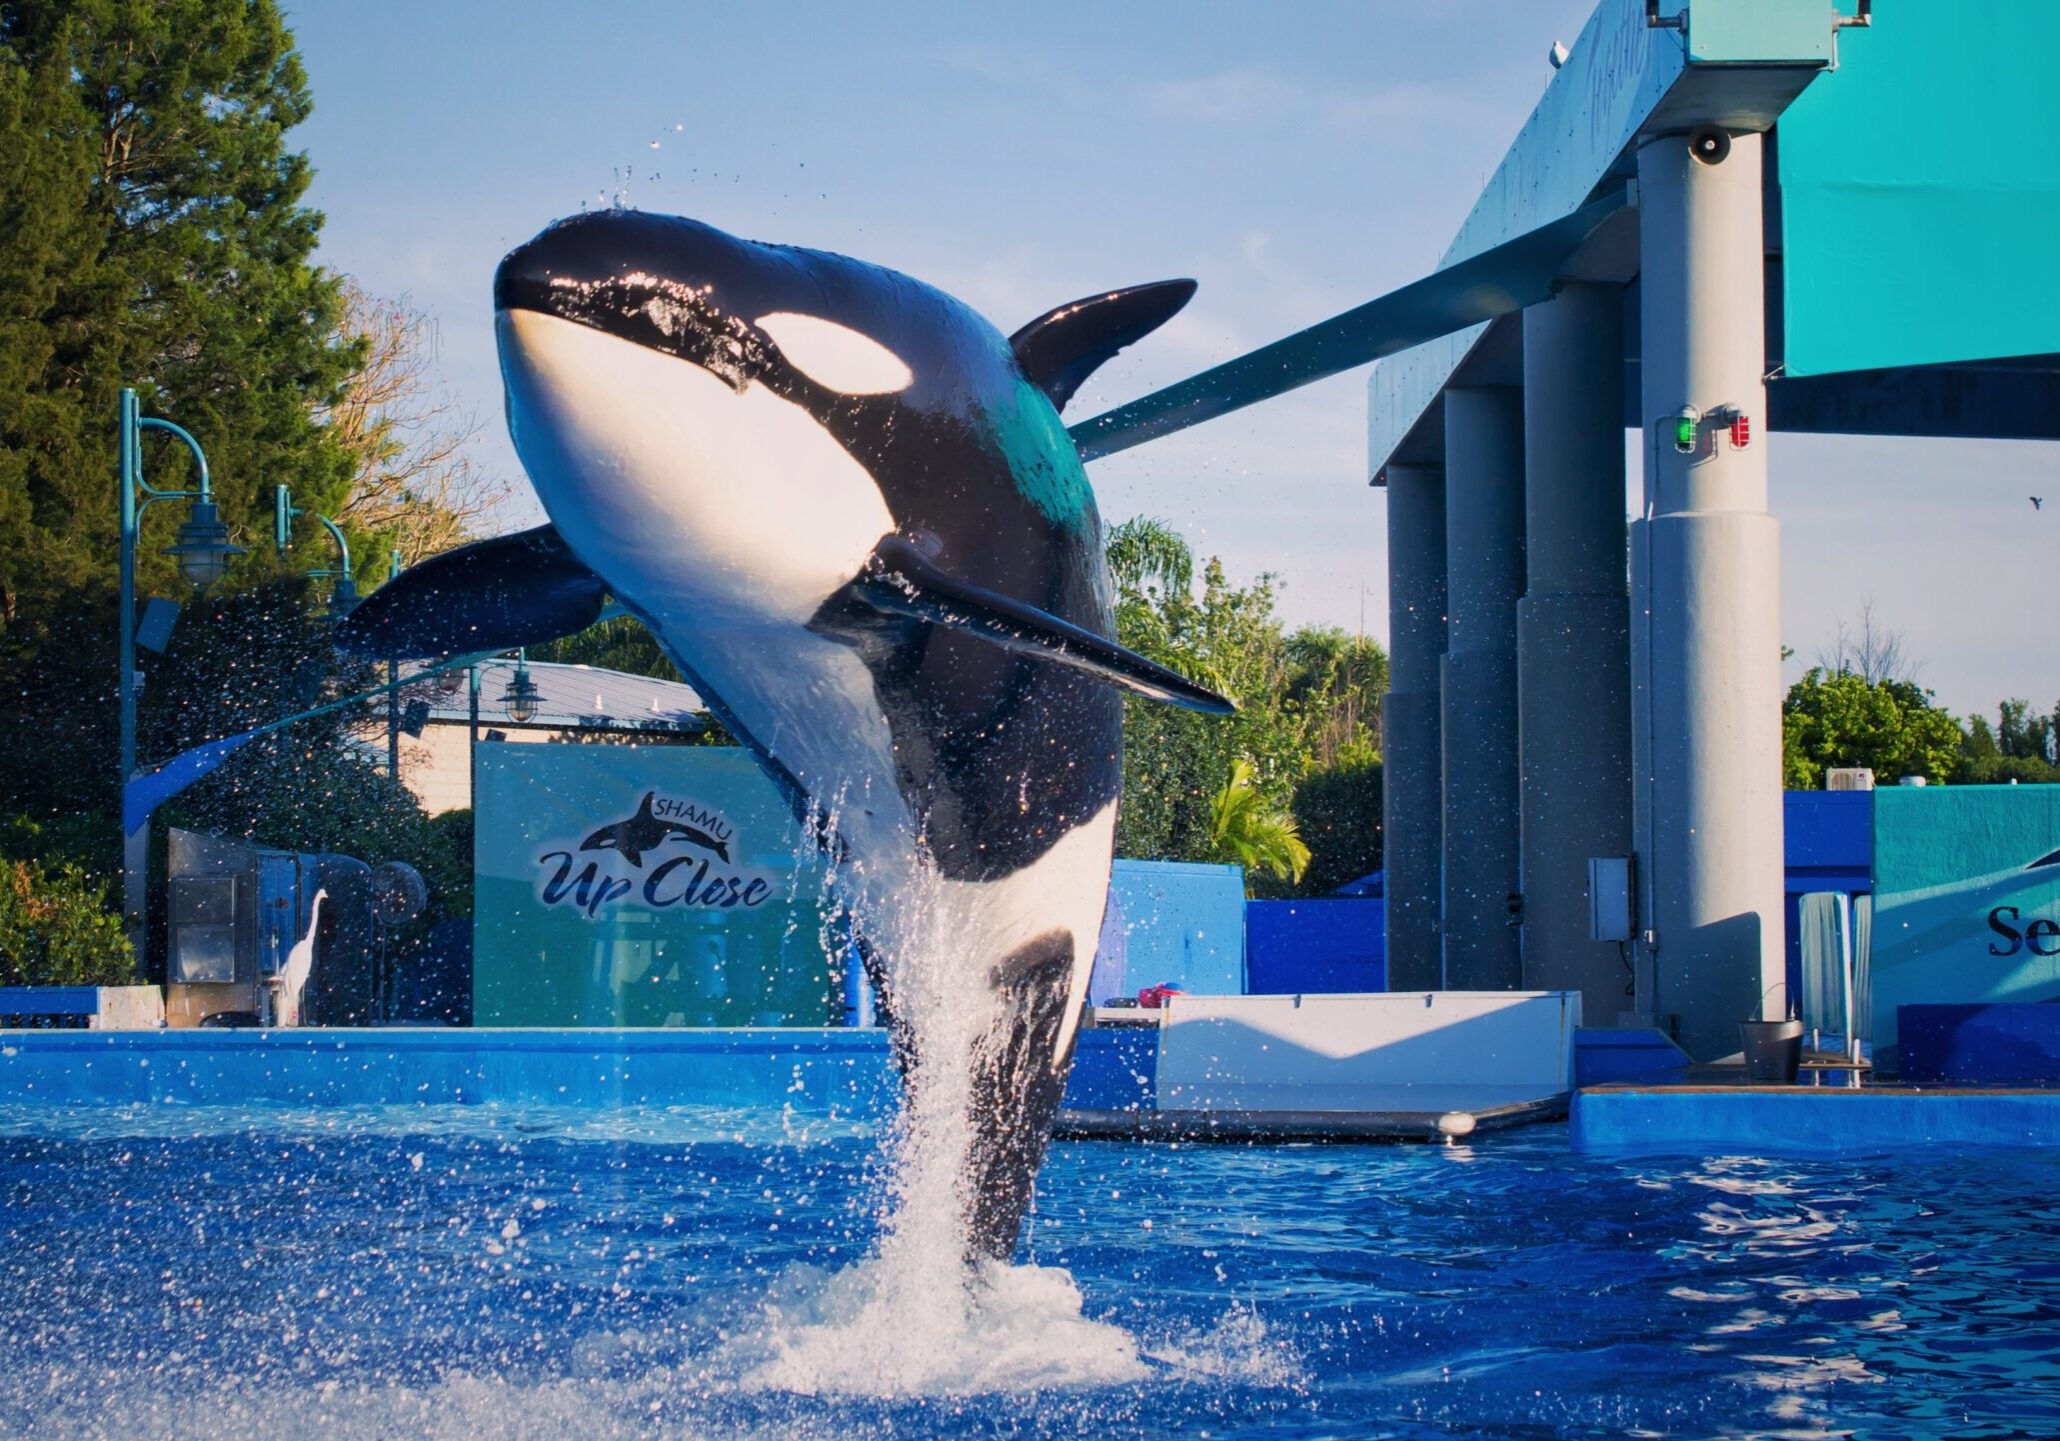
1412 797
1484 565
1706 652
1573 643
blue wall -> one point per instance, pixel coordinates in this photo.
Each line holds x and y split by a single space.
1183 925
1828 845
837 1073
1315 947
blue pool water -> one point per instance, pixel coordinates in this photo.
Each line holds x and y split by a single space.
484 1272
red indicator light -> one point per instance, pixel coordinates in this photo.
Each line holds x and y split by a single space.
1741 431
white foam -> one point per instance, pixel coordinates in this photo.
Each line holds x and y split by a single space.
866 1331
816 1347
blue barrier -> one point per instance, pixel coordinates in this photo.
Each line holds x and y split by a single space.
2004 1044
1791 1121
1115 1069
1315 947
841 1073
1606 1054
61 1005
1182 924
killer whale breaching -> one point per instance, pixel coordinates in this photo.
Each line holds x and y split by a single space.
847 509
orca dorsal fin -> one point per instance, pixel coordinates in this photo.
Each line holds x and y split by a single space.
492 595
644 810
1062 347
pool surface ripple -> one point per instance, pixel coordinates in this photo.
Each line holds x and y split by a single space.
483 1272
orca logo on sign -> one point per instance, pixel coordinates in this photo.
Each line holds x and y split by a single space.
576 878
2042 935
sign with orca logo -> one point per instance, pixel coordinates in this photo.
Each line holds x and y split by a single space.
659 856
1967 897
644 885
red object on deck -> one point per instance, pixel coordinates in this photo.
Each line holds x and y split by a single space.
1153 998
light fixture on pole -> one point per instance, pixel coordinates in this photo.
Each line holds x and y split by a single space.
204 551
343 596
522 695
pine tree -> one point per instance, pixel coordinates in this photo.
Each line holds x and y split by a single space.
151 234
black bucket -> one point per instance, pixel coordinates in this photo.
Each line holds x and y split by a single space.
1773 1050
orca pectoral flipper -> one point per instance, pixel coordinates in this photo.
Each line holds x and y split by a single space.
513 590
900 580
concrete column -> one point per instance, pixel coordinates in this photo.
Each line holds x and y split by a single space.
1706 650
1573 642
1412 798
1484 566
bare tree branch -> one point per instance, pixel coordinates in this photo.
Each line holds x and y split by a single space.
1872 652
416 483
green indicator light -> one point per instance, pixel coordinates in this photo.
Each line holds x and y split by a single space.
1687 430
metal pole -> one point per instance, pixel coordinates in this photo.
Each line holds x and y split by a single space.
136 844
393 696
394 719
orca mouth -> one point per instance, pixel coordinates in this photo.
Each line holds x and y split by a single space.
652 312
619 275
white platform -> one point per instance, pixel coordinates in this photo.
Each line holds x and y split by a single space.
1391 1052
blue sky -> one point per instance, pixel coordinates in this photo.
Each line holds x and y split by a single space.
1294 159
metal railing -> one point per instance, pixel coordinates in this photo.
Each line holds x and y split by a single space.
1836 936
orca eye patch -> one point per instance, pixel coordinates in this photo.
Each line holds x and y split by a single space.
835 356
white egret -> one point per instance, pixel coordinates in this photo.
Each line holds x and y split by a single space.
299 962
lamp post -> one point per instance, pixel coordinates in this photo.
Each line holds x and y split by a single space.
343 596
343 599
393 688
204 552
522 695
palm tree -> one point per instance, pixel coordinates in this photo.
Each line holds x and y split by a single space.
1143 549
1245 830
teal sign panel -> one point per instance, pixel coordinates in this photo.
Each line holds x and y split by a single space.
1762 32
1966 897
1919 199
644 886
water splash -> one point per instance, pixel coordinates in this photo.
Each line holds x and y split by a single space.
874 1330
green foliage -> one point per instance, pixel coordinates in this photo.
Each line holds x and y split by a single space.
1245 830
2020 749
56 929
152 234
1335 684
1842 719
1338 811
623 644
1306 701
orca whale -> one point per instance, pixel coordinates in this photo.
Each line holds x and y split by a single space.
645 832
847 509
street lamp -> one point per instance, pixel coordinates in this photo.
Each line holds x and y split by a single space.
523 695
343 596
204 552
